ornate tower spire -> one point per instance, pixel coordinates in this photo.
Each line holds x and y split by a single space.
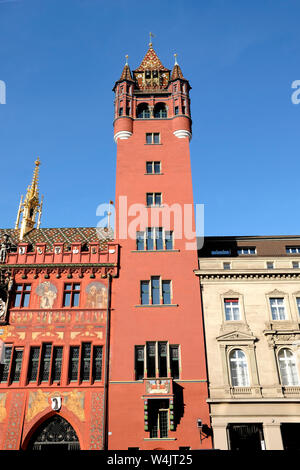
31 206
176 72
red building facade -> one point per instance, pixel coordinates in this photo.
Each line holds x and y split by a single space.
55 304
158 383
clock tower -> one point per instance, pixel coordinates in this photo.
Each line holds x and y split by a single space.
158 382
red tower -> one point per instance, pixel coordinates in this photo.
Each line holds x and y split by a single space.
158 383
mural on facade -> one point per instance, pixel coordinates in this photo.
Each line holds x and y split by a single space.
96 295
47 293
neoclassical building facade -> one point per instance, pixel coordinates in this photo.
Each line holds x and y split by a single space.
251 306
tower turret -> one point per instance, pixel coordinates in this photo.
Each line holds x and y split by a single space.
151 92
123 113
31 206
180 88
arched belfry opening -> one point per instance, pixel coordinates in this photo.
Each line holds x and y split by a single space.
160 111
143 111
54 434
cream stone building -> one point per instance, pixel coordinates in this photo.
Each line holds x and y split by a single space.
251 304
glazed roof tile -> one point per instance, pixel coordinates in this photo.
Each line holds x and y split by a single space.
66 235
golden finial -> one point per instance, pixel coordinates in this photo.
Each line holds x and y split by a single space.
31 205
176 63
126 57
151 35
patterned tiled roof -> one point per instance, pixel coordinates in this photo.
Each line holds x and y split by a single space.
126 74
61 235
151 62
177 73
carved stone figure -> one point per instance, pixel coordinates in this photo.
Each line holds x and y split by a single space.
4 248
2 309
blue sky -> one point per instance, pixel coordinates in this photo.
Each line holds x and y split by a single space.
60 59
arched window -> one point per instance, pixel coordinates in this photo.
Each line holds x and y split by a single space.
160 111
54 434
288 367
142 111
238 369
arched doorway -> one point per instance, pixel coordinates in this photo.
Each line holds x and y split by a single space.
54 434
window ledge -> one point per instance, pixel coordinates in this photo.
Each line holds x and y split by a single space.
152 174
154 251
157 305
152 144
160 439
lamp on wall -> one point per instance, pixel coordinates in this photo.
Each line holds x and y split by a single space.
200 427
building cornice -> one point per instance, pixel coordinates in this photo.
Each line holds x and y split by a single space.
247 275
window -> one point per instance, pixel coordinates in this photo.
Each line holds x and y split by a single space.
71 295
295 264
158 418
6 365
56 363
120 111
246 250
153 199
33 367
183 109
139 362
155 359
226 265
153 168
97 363
176 110
85 362
142 111
220 252
232 309
46 365
270 265
153 138
160 111
155 292
278 309
73 363
288 368
298 304
82 365
238 369
16 365
292 249
45 362
22 295
166 292
154 238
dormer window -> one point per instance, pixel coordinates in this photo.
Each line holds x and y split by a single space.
148 74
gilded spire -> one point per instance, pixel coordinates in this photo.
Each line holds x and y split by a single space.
31 206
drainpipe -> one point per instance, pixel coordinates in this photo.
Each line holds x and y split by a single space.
106 373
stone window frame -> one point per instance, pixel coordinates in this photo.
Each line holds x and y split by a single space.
279 294
296 295
277 349
244 350
247 345
233 295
